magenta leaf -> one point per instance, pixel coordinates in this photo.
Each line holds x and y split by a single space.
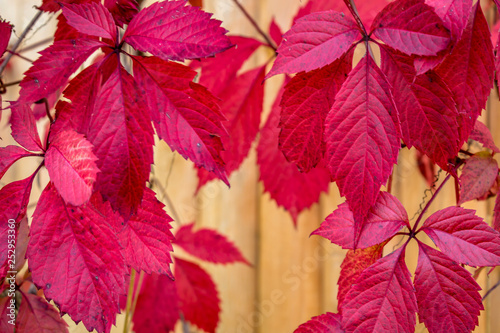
464 237
496 214
454 14
172 31
36 315
362 141
307 99
5 32
275 32
325 323
54 5
9 155
208 245
8 313
382 298
482 134
198 297
447 295
23 125
123 11
146 237
385 218
52 70
315 41
71 166
290 188
91 19
75 258
185 114
478 176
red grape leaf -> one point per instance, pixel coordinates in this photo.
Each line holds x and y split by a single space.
478 176
412 27
146 237
464 237
425 106
75 257
290 188
65 31
23 125
37 316
447 295
9 155
325 323
307 99
91 19
208 245
314 41
5 32
362 142
355 262
198 299
54 5
123 11
275 32
185 114
482 134
382 299
172 31
52 70
157 308
454 14
468 71
122 135
242 106
385 218
71 166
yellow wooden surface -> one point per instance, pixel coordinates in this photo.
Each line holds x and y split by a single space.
293 276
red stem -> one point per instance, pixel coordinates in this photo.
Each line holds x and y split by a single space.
352 8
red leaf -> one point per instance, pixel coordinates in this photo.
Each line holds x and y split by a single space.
91 19
362 142
54 5
325 323
172 31
197 295
307 99
412 27
454 14
196 3
478 176
52 70
290 188
464 237
447 295
123 10
71 166
482 134
5 32
315 41
468 71
75 257
157 308
123 139
496 214
242 106
425 107
9 155
37 316
275 32
185 114
355 262
146 237
208 245
385 218
427 168
382 299
8 313
24 129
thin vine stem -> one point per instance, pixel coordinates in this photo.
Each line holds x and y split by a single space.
354 11
491 290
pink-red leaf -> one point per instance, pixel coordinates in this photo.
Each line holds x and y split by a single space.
23 125
454 14
185 114
8 313
315 41
91 19
9 155
385 218
496 214
307 99
464 237
37 316
325 323
275 32
5 32
197 295
447 295
55 5
482 134
382 299
146 237
290 188
52 70
75 258
412 27
208 245
478 176
361 139
123 11
71 166
172 31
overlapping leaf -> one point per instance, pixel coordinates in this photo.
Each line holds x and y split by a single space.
9 155
23 125
478 176
55 5
325 323
36 315
482 134
5 31
454 14
91 19
123 11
